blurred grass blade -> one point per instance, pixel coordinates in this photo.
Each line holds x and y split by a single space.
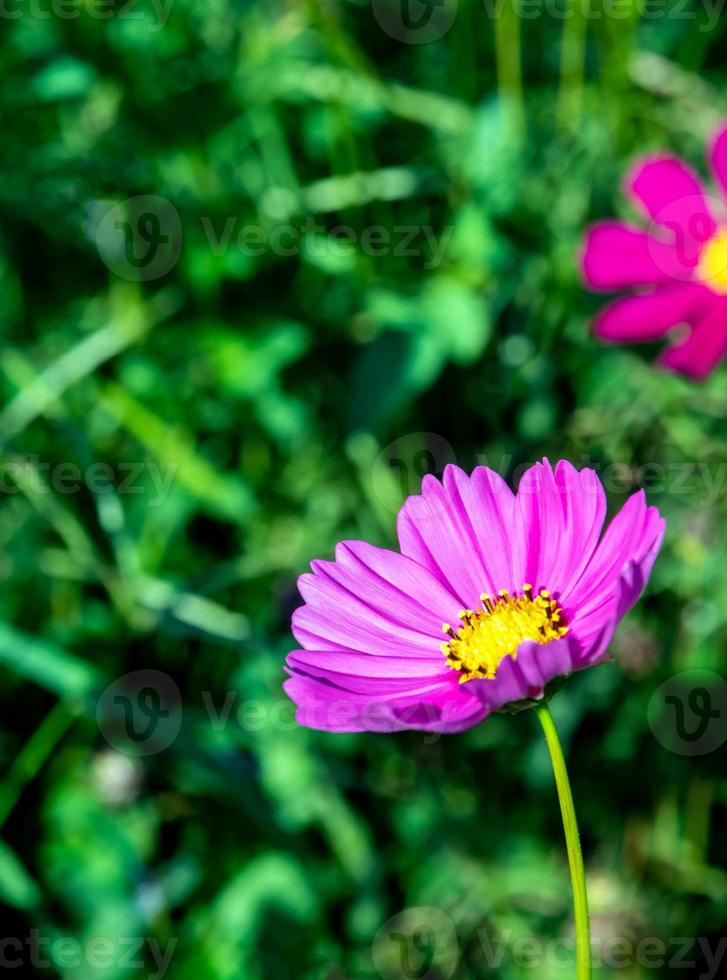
78 362
32 756
224 494
328 84
572 66
509 66
46 664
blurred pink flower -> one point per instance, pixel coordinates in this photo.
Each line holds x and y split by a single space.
493 595
677 267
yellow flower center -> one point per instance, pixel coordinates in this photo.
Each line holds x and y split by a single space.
712 268
486 635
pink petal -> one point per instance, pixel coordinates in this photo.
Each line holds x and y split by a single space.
329 621
617 573
649 316
616 256
445 707
592 628
464 533
674 198
595 623
373 601
390 668
562 514
392 584
718 158
704 347
487 507
526 675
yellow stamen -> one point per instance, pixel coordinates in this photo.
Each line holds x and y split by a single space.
487 635
712 267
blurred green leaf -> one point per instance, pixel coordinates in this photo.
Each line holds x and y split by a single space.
17 888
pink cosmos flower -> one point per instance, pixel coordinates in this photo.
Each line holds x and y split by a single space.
678 266
493 595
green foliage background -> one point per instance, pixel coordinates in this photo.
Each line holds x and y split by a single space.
266 388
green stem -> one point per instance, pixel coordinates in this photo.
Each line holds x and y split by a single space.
573 843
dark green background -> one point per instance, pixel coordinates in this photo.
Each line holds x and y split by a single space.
267 391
